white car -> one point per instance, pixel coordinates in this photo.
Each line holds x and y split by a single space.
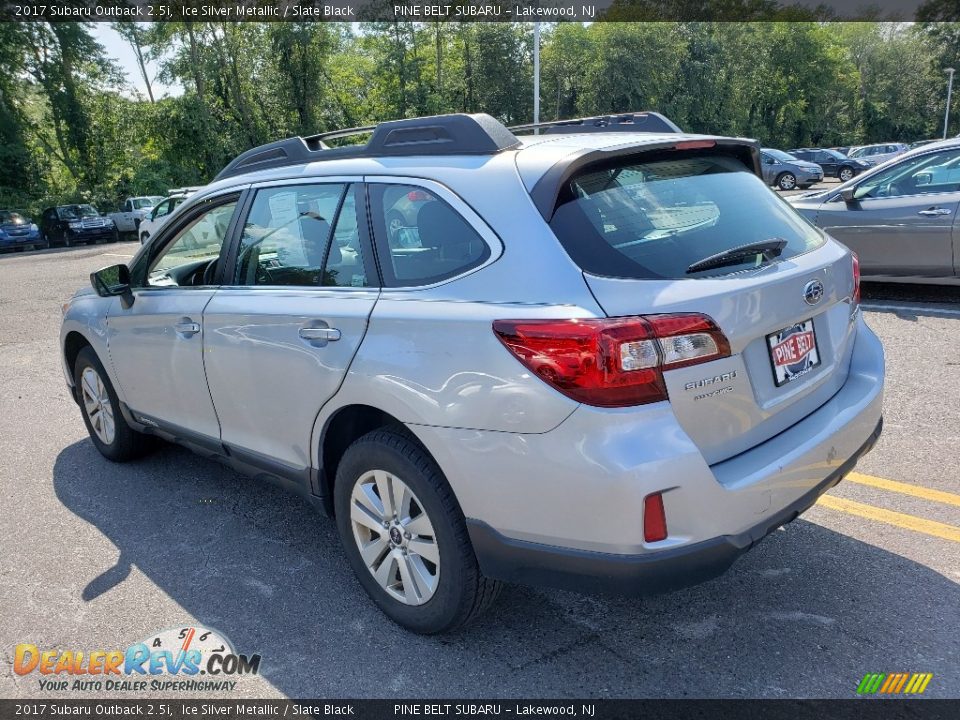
135 209
161 212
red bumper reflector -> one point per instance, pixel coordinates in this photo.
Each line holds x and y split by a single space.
654 518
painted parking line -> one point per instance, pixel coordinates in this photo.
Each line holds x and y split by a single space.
940 496
901 520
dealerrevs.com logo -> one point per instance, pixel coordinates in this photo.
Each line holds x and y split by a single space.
188 658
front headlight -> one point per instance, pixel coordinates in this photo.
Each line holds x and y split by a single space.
75 225
34 228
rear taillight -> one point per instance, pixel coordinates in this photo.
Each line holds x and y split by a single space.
612 362
856 279
418 196
654 518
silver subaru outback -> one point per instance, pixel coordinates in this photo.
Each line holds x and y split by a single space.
605 357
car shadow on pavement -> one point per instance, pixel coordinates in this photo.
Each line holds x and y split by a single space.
806 613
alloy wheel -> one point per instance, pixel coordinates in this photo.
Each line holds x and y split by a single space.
96 403
787 182
395 537
846 174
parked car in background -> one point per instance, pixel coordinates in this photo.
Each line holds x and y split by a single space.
879 153
834 164
899 218
161 212
605 359
134 210
786 172
843 150
69 225
18 232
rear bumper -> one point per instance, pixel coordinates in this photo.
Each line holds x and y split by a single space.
532 563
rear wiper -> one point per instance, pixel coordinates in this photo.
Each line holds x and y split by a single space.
768 249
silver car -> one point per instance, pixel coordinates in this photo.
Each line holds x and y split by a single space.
878 153
900 218
785 172
603 360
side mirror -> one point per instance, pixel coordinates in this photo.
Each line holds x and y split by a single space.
849 194
113 281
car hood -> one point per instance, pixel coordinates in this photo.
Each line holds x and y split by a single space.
806 165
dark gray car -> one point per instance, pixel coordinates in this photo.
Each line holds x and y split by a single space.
834 164
900 218
786 172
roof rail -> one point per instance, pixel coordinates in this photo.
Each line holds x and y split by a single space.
645 121
458 134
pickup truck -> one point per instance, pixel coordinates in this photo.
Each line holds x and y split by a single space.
134 210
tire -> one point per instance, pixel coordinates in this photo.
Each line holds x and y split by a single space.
144 236
395 222
786 181
459 593
67 242
845 173
115 238
124 443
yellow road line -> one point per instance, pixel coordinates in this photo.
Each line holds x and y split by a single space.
919 491
902 520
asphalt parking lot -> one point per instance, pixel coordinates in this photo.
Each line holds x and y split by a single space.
97 555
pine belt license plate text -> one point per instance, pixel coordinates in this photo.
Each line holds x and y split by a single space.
793 352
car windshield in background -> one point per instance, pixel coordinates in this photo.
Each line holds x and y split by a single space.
655 219
835 154
76 212
780 155
12 218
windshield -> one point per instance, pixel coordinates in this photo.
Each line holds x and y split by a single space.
145 202
12 218
779 155
75 212
835 154
654 219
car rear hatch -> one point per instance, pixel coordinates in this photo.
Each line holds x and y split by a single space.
692 229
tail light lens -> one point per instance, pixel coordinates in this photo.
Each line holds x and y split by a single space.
856 279
612 362
418 196
654 518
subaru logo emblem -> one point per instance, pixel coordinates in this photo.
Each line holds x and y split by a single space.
813 292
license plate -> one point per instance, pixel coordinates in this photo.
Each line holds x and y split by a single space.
793 352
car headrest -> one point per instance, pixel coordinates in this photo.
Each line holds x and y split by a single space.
439 227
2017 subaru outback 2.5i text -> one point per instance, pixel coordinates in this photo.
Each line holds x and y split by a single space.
605 357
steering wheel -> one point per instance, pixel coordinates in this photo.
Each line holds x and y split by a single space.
209 274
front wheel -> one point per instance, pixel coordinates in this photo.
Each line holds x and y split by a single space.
786 181
846 173
405 537
100 407
144 236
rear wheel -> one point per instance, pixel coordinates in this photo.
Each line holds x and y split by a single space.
100 407
845 173
144 236
786 181
405 536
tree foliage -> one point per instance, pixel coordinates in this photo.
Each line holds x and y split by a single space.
71 129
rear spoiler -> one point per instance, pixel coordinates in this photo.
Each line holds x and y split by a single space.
547 189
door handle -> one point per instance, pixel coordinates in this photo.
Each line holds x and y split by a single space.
934 211
314 334
187 327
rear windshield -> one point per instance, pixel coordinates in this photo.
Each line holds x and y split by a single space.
652 219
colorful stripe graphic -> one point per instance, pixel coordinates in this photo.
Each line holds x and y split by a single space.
894 683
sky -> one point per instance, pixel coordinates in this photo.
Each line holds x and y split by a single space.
120 51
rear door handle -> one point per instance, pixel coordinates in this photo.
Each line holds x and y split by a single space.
314 334
187 327
934 211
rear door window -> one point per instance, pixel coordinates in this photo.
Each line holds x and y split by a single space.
420 239
654 218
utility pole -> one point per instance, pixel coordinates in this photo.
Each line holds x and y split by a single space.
536 77
946 116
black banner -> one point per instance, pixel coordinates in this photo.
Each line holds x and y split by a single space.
475 10
865 709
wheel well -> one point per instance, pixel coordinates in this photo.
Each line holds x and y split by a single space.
346 425
74 343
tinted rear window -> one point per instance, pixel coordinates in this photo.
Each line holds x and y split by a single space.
652 219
